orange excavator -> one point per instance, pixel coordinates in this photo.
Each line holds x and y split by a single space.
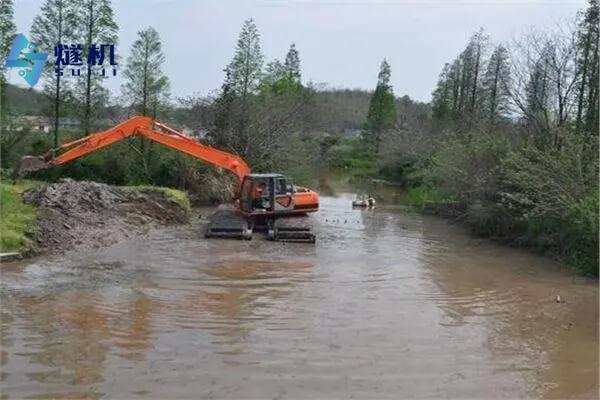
266 202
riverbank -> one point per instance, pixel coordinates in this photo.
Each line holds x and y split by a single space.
568 235
40 218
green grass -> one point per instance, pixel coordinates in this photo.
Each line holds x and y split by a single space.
178 196
16 217
417 197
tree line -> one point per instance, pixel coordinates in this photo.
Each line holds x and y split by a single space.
511 143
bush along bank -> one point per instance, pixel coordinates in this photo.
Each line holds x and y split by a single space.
543 199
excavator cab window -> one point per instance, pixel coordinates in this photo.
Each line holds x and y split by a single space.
283 186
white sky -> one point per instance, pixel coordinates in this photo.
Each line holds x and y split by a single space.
341 43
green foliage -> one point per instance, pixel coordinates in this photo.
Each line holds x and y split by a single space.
419 197
546 199
350 155
146 86
7 32
461 93
382 109
97 25
56 24
16 217
178 196
245 70
553 195
24 101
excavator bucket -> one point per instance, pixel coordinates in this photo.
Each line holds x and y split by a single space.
30 164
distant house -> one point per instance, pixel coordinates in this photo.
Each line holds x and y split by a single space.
42 124
35 123
68 123
352 133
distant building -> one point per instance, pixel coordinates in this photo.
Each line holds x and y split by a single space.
68 123
352 133
34 123
41 124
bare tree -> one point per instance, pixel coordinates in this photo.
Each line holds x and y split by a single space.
544 77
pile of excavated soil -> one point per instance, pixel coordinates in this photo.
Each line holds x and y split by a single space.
83 214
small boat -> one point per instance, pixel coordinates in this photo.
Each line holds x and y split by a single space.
364 203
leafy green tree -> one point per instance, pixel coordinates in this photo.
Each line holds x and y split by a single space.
283 78
97 26
54 26
496 82
441 101
382 108
7 33
291 66
245 70
146 86
242 81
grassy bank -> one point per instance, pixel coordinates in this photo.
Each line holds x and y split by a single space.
16 217
178 196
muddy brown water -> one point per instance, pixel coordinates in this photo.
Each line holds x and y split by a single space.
387 304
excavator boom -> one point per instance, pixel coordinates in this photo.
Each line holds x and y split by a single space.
140 126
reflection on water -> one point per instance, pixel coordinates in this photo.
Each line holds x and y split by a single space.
387 304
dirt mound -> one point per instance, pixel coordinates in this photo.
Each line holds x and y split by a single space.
83 214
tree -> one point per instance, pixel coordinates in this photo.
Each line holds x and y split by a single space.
55 26
588 38
495 84
146 86
382 108
543 88
242 80
291 66
7 33
441 98
457 99
471 62
245 70
538 101
98 27
283 78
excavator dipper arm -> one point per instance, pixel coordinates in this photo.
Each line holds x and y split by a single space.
146 127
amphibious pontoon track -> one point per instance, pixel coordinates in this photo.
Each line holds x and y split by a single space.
227 223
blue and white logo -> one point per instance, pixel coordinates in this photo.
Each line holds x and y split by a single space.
23 55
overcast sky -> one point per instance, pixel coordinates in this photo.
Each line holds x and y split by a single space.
341 43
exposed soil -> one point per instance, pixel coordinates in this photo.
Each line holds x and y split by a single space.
84 214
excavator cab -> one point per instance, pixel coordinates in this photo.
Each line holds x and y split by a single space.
265 194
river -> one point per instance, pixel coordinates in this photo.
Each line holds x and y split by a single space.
387 304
